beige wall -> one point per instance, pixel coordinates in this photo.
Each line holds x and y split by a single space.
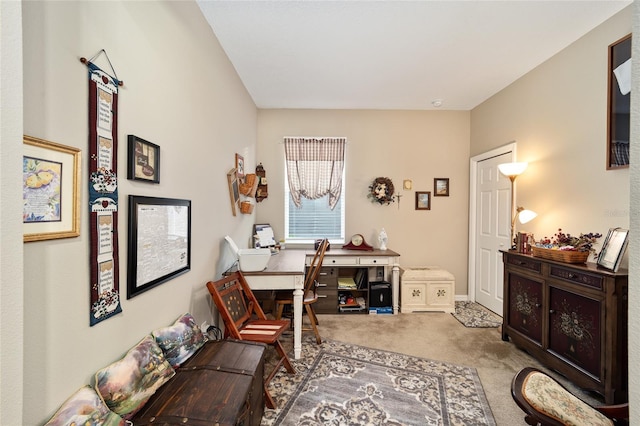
557 116
180 92
416 145
194 106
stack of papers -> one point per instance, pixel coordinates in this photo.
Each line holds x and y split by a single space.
264 236
346 283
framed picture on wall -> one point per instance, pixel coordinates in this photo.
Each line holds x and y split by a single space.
619 104
159 242
144 160
441 187
234 190
240 166
423 200
50 185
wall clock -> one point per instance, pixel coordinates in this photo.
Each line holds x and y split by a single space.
357 242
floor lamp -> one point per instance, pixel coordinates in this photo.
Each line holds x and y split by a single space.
512 171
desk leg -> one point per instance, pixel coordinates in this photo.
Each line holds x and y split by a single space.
297 322
395 284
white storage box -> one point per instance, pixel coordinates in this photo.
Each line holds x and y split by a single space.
250 260
427 289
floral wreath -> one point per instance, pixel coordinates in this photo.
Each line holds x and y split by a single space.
381 191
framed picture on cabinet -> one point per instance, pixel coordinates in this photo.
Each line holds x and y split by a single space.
441 187
613 249
423 200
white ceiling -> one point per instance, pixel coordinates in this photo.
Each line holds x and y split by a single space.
393 54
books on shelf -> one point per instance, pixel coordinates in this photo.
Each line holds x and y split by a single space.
361 278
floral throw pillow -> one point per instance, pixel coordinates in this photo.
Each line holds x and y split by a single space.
180 340
85 407
127 384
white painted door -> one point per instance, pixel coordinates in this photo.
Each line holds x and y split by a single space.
493 230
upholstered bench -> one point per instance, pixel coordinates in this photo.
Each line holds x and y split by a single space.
547 402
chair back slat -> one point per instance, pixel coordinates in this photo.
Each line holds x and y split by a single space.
228 296
311 278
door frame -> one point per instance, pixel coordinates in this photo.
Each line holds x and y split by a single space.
473 185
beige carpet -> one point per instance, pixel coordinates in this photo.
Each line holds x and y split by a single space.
439 336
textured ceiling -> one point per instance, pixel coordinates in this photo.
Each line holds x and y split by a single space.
393 54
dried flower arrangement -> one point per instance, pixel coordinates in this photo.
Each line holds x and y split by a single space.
562 241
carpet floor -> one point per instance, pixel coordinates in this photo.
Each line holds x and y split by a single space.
345 384
438 336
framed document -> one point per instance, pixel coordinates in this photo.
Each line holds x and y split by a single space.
159 242
613 249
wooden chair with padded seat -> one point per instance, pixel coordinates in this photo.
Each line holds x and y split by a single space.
244 320
547 403
284 298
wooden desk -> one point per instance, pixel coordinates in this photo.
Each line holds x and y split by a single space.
387 259
285 271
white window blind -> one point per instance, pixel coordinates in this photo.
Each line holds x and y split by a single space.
314 219
314 195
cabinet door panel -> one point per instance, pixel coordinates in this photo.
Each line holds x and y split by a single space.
575 329
525 306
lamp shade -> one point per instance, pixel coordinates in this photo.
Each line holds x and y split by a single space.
525 216
512 169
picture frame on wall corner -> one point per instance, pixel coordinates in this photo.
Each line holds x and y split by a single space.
423 200
441 187
143 160
613 249
50 190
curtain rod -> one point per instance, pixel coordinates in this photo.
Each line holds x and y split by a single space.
316 137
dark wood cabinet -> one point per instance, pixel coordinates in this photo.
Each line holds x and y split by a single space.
572 318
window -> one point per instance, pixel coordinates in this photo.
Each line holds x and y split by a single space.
314 201
313 219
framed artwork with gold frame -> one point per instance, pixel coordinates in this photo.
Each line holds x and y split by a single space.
50 190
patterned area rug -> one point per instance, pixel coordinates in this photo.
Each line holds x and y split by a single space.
473 315
343 384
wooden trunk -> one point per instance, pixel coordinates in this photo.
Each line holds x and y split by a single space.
222 384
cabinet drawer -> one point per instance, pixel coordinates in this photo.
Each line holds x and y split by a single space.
340 260
525 262
327 302
578 277
374 260
328 276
